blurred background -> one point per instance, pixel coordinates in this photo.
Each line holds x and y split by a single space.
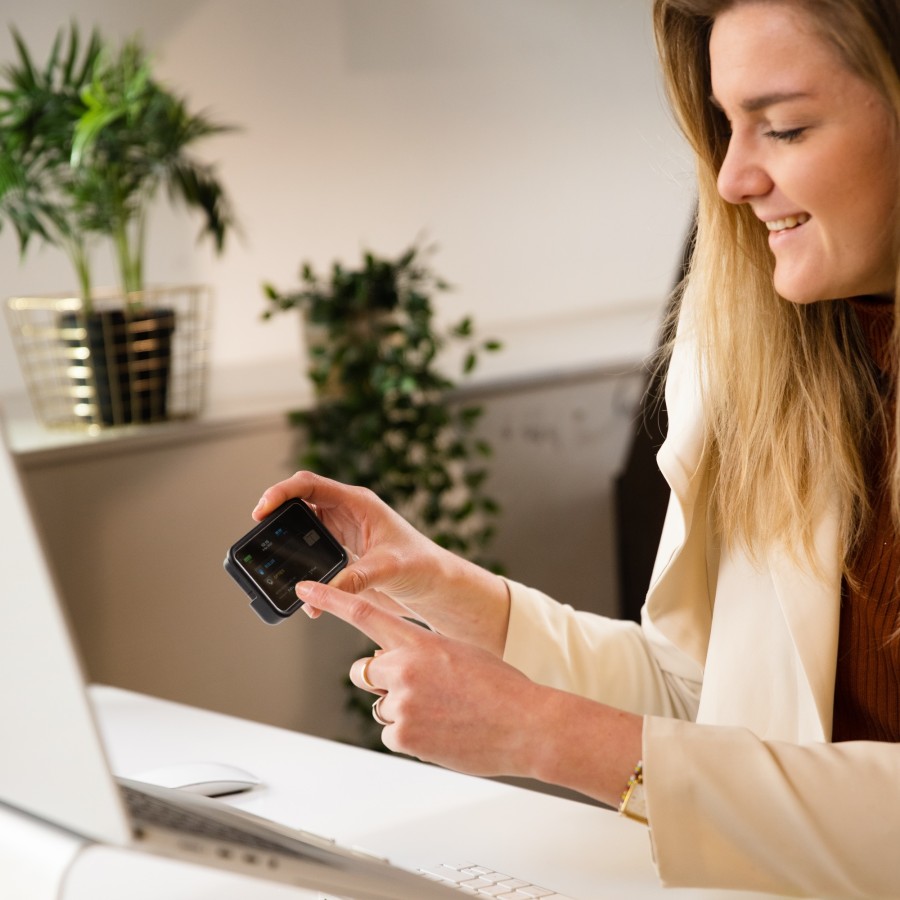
528 139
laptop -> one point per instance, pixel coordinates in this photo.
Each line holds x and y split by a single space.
53 765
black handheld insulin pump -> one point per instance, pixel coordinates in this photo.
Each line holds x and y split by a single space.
290 545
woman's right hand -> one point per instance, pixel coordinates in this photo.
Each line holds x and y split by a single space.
397 567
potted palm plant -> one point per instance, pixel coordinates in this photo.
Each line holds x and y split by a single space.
87 141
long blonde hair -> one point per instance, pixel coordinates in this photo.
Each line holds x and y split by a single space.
791 397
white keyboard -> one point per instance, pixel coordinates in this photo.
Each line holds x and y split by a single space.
480 881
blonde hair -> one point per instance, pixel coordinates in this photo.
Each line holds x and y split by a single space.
791 397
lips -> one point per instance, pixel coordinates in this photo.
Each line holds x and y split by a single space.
788 222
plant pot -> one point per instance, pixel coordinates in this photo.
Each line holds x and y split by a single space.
126 362
123 363
370 335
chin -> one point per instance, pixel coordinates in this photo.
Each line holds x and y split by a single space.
801 298
805 298
804 291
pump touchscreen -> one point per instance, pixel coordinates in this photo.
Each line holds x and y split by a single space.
289 546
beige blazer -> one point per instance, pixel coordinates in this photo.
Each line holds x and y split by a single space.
733 666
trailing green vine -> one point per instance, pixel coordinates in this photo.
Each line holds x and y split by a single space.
386 416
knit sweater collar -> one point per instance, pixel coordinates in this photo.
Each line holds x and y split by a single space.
876 319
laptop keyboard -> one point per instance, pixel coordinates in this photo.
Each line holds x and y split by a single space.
480 881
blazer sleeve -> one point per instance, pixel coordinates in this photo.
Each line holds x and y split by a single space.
609 660
730 810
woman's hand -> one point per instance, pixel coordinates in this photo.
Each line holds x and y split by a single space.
396 567
448 702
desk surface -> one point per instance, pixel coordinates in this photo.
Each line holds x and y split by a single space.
410 812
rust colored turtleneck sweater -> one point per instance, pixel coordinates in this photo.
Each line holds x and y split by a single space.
867 686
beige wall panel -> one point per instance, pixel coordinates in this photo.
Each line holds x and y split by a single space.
138 537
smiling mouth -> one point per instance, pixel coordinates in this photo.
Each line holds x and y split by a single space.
787 223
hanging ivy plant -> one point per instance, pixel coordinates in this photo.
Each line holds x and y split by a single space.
386 416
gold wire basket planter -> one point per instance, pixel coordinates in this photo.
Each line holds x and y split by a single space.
118 364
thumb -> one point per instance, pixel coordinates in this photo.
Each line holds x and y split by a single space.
367 576
354 579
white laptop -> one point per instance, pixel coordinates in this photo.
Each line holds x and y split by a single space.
53 765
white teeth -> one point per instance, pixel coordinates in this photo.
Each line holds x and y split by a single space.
788 222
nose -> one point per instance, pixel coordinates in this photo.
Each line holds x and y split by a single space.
742 177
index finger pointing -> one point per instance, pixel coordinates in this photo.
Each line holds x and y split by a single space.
384 628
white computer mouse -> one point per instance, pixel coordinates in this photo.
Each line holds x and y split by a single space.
211 779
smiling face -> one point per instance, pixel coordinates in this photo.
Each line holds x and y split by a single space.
813 151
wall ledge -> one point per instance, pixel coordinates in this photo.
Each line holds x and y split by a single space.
260 394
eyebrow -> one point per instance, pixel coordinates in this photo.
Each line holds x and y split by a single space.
763 101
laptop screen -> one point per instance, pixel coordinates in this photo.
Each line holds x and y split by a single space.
52 763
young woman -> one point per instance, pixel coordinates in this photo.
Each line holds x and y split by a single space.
762 689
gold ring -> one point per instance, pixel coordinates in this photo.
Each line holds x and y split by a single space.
364 675
376 715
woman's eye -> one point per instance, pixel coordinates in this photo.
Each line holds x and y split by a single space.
788 135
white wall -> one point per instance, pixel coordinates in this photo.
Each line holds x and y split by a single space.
528 138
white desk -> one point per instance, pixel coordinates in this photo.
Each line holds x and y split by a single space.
399 808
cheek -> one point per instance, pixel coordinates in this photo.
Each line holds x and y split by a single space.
872 207
876 164
857 203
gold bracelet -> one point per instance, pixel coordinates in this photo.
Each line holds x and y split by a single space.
632 805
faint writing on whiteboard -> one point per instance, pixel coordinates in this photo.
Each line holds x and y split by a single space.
560 426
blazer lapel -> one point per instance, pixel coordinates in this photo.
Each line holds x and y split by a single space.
811 601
